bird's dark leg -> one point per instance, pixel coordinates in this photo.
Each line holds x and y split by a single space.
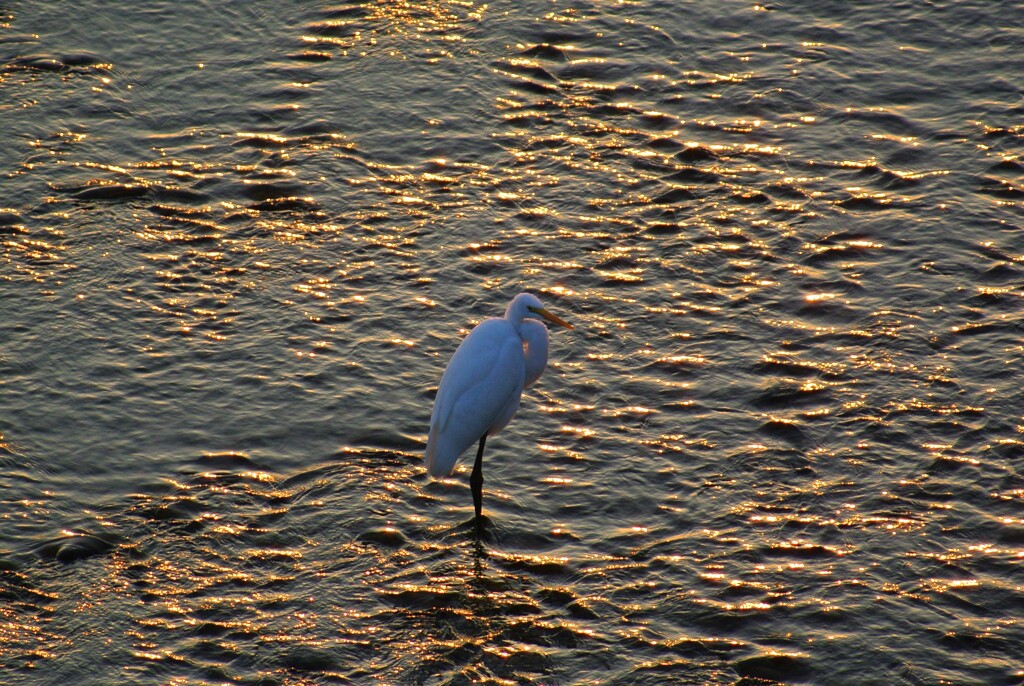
476 480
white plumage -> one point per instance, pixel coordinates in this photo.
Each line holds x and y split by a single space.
481 386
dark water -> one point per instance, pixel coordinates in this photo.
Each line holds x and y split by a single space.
783 444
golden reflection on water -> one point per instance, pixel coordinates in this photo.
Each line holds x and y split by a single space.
791 418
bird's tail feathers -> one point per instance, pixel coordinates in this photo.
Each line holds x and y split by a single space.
434 466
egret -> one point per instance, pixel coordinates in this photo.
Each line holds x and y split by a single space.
481 386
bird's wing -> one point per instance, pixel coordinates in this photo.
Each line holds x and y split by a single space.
484 376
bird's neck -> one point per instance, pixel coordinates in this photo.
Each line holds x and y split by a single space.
515 318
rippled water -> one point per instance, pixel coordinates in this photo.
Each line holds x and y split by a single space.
783 443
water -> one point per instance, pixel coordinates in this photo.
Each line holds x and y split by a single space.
783 443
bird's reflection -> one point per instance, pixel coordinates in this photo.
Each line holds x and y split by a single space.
479 556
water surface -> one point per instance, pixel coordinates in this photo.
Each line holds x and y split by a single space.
782 444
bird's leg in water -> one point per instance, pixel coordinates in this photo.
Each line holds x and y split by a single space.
476 480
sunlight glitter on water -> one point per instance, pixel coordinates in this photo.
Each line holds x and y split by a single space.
779 447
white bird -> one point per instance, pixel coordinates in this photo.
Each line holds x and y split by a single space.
480 389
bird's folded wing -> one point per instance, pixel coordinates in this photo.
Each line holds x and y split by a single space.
484 374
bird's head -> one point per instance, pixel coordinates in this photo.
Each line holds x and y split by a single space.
527 305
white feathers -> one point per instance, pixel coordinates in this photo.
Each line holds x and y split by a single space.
481 386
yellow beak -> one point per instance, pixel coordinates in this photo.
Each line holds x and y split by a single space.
553 318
